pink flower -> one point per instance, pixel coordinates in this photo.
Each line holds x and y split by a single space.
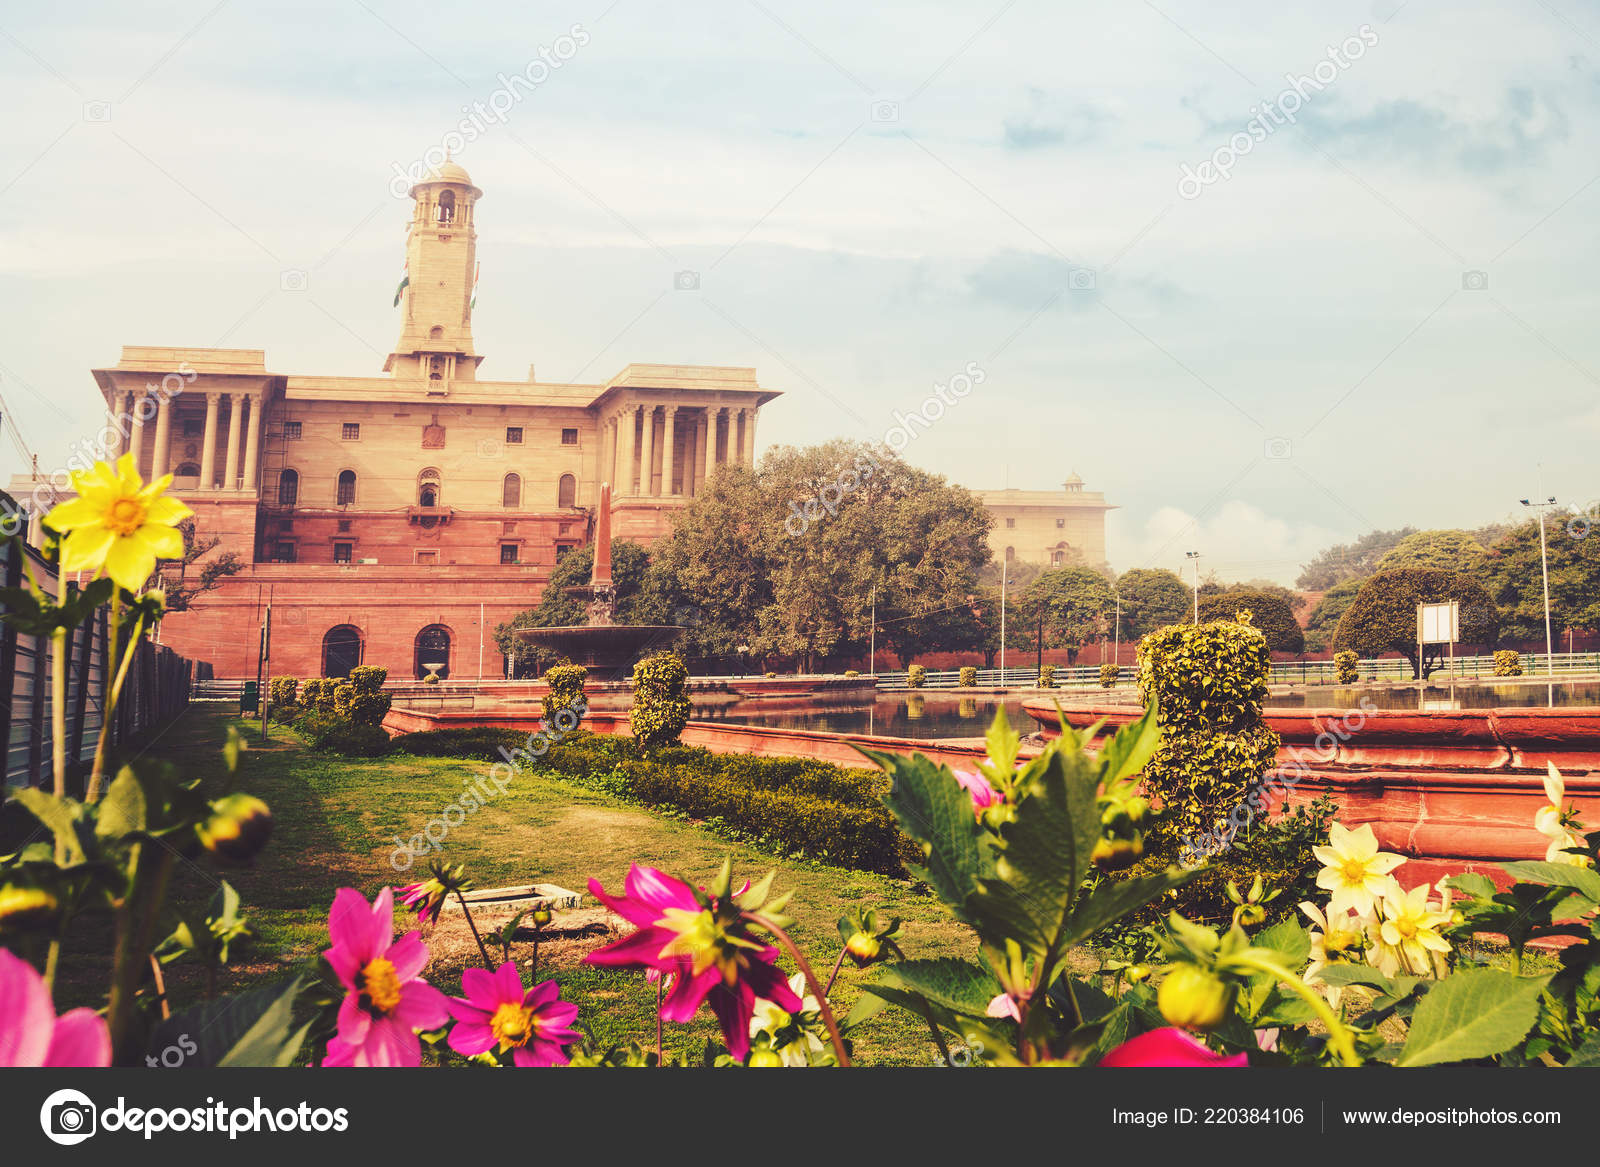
705 942
425 898
497 1014
385 1002
983 794
1169 1047
30 1032
1005 1005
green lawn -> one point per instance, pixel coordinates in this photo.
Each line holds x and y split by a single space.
335 824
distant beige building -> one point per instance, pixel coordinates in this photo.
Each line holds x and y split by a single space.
1052 528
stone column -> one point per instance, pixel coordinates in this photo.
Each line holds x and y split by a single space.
629 450
208 450
710 452
230 465
668 449
136 433
252 445
750 436
162 457
121 423
648 457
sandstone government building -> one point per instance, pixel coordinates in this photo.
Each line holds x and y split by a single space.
396 520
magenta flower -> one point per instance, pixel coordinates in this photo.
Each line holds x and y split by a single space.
385 1003
30 1032
497 1014
704 940
1169 1047
983 794
427 896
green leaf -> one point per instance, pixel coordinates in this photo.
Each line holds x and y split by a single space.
1472 1013
867 1007
958 986
57 816
123 811
1109 902
933 809
1289 942
1128 752
1588 1054
1471 883
247 1029
1582 880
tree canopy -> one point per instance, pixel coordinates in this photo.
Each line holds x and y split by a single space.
1446 549
1324 618
1513 577
1152 598
1355 560
1271 612
1383 616
1071 605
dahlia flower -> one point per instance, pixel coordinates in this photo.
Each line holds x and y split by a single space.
118 523
30 1032
1354 871
1169 1047
496 1014
385 1002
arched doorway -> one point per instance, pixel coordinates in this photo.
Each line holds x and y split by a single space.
341 650
433 648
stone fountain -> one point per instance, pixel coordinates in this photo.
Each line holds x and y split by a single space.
605 648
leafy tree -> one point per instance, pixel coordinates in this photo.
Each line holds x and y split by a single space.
1513 577
1270 611
1448 550
1152 597
1383 616
1324 618
185 587
1345 561
1068 607
556 609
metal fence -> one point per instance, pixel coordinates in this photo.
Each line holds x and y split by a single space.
157 687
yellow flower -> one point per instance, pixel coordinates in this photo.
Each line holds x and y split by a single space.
1354 871
118 523
1406 938
1338 939
1555 824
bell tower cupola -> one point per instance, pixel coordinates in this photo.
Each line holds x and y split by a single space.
437 289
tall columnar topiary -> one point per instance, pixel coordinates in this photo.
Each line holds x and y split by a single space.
1109 672
1507 662
1345 662
283 691
360 698
317 693
915 676
969 677
566 689
1208 681
1047 676
661 703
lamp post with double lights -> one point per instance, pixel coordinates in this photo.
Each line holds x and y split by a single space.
1544 570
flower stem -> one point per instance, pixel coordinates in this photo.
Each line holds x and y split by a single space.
1339 1035
467 912
788 944
834 975
659 1056
97 776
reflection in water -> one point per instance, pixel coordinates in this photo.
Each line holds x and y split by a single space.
1438 697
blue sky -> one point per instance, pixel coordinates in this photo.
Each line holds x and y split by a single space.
873 198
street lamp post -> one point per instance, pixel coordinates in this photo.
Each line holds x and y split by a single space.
1544 570
1194 558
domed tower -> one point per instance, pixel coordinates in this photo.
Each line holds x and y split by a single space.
436 292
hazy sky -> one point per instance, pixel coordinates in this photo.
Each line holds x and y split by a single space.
873 197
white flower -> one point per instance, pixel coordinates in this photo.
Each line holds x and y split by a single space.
1354 871
768 1021
1406 937
1335 940
1555 824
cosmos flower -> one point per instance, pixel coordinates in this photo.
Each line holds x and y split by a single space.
983 794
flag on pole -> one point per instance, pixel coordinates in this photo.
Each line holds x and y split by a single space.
405 282
476 272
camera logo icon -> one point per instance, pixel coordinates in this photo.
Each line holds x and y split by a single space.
293 280
885 111
686 281
1475 281
97 111
68 1117
491 448
1278 449
1081 279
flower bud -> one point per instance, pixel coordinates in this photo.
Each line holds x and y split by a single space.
1137 973
1193 998
763 1057
540 917
863 949
24 908
1115 854
238 828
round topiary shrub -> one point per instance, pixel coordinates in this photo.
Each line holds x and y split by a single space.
282 691
316 694
1209 681
1047 676
852 674
360 705
1507 662
770 676
1345 662
661 705
1109 672
915 675
969 677
566 689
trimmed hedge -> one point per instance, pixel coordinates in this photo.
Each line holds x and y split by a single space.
1346 663
661 705
1047 676
332 734
282 690
968 677
1109 672
1507 662
915 675
566 688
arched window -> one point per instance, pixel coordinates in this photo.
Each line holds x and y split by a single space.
345 495
436 333
447 207
428 491
433 652
288 488
1011 554
1057 558
341 650
187 470
567 491
511 491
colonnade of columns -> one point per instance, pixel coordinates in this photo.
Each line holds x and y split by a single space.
154 454
642 455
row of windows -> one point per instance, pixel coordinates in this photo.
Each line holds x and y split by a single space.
1059 522
287 551
350 431
429 491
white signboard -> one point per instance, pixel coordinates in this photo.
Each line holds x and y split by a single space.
1439 623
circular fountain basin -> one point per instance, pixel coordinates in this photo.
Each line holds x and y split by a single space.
606 650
